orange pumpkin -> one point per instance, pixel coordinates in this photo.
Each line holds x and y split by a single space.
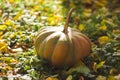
62 46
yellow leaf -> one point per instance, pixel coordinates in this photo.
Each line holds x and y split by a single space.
14 26
20 32
100 3
13 61
8 67
1 35
3 27
99 65
46 8
8 22
81 27
103 28
52 78
18 15
113 71
103 22
103 39
11 1
3 46
41 1
54 19
12 35
116 31
101 78
111 78
35 7
87 12
94 67
69 77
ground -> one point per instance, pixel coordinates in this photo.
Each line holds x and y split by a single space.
20 21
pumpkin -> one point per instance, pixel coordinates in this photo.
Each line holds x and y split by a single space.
62 46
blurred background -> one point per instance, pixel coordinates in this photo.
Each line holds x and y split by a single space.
20 21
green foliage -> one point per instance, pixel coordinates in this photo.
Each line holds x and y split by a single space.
20 21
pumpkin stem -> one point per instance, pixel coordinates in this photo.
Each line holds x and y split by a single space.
67 21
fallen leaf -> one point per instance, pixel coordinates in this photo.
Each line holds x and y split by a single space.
69 77
3 27
52 78
16 50
111 78
18 15
97 66
3 46
117 77
79 67
101 78
103 39
81 27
